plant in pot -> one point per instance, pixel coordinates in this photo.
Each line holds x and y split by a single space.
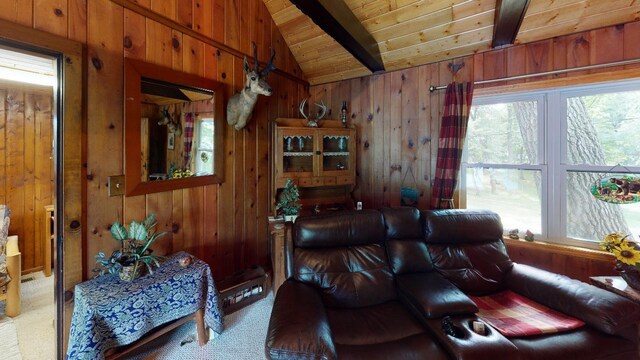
135 254
288 204
627 254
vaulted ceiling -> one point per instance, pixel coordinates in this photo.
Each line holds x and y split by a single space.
416 32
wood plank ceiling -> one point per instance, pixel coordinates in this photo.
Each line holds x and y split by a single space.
416 32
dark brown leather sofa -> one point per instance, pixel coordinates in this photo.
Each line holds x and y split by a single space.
376 285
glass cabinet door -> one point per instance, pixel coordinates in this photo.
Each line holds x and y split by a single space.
336 152
297 149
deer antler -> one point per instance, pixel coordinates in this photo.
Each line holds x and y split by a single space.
255 57
302 109
270 66
323 110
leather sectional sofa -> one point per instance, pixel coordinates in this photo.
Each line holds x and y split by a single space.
377 285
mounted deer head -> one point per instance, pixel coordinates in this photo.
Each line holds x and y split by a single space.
240 106
313 122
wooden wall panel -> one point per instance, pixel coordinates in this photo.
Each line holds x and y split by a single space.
26 183
402 128
191 216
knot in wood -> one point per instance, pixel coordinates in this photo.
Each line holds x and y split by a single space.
97 63
127 43
74 225
58 12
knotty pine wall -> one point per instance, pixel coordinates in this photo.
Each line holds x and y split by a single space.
26 166
226 225
398 119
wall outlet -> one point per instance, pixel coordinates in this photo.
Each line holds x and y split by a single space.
115 185
359 205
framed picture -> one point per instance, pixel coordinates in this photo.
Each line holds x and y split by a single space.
171 140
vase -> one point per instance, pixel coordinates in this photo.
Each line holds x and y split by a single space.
130 272
630 274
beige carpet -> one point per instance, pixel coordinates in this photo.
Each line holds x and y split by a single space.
243 338
35 324
8 339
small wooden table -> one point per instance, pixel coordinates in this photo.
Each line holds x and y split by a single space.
617 285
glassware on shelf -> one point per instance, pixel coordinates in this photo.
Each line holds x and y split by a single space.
341 144
301 143
289 145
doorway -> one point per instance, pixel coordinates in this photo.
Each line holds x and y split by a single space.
67 200
27 190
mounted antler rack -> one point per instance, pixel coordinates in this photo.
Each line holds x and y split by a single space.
313 122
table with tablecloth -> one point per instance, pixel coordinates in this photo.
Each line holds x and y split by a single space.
109 312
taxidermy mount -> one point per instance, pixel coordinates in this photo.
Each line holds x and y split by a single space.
240 106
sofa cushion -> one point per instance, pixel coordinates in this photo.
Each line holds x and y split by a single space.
353 276
466 247
404 240
461 226
384 331
475 268
408 256
416 347
347 228
402 223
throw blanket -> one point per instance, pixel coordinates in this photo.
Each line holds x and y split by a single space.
515 316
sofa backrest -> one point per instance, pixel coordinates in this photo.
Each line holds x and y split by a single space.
342 254
466 247
405 244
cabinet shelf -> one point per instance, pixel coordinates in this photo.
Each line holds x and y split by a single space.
336 153
299 153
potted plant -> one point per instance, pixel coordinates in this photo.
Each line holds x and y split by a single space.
627 255
288 204
134 250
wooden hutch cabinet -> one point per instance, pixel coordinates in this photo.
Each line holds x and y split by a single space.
322 162
314 157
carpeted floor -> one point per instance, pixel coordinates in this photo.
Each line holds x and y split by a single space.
243 338
8 339
34 327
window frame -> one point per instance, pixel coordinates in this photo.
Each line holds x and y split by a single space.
552 156
199 120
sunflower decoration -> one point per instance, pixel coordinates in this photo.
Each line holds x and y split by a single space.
625 251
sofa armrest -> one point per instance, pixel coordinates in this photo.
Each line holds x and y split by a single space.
299 328
604 310
433 296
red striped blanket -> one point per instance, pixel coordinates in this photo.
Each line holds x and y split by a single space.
514 315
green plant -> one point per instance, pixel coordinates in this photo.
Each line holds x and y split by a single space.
289 196
134 247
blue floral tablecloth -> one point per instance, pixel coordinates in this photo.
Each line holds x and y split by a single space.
109 312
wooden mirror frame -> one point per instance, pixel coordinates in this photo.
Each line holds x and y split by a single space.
134 71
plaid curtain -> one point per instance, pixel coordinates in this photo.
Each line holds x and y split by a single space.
457 104
188 138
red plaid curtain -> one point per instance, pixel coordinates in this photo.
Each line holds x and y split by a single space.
188 138
450 144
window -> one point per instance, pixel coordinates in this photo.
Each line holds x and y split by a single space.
204 148
534 158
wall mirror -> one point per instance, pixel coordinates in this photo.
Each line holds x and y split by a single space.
173 129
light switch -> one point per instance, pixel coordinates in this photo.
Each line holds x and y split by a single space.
116 185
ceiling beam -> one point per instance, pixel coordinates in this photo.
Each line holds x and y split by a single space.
508 18
339 22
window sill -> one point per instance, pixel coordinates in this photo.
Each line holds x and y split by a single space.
558 249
